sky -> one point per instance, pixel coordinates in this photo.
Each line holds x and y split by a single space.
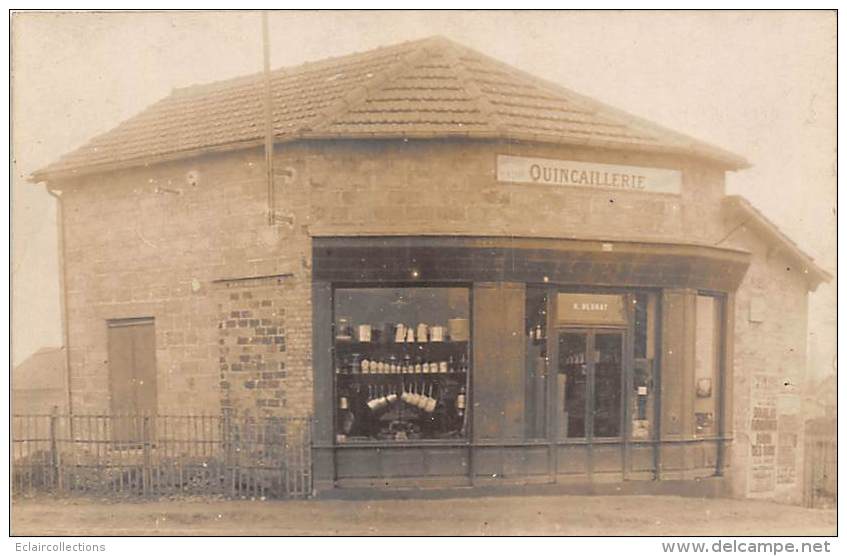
760 84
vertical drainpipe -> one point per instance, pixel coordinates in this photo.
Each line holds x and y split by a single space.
269 127
63 301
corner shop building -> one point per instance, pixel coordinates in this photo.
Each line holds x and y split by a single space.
568 287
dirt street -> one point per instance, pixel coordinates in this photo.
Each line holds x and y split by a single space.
509 515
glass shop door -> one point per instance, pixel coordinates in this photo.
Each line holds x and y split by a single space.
589 384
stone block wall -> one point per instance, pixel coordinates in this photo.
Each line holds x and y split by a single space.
144 242
771 308
450 188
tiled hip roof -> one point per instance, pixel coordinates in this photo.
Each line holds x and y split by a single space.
427 88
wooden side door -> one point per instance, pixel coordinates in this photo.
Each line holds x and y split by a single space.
144 367
132 375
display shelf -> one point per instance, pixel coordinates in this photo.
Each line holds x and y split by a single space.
392 377
379 397
344 347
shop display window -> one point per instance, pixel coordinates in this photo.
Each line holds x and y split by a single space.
402 363
572 384
707 364
536 362
608 357
642 397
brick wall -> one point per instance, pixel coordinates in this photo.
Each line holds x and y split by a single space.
258 318
252 344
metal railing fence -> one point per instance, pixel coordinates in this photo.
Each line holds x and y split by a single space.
154 455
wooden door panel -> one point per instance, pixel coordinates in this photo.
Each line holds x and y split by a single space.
498 370
132 376
144 367
121 375
486 393
512 359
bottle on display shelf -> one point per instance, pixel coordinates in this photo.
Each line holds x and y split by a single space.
461 400
345 417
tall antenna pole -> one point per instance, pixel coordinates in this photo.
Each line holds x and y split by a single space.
269 124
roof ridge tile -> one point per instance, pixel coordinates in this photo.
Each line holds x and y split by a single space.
359 96
470 86
598 106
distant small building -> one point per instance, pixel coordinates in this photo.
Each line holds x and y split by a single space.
38 384
821 443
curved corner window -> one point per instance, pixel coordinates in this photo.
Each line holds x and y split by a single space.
707 375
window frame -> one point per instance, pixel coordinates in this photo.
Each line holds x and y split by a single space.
465 438
718 388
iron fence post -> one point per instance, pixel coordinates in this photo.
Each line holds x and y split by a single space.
55 464
146 463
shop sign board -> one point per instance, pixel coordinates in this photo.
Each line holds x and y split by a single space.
522 169
586 308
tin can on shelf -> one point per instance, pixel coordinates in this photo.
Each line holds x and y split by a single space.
400 333
343 330
436 334
458 329
423 333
